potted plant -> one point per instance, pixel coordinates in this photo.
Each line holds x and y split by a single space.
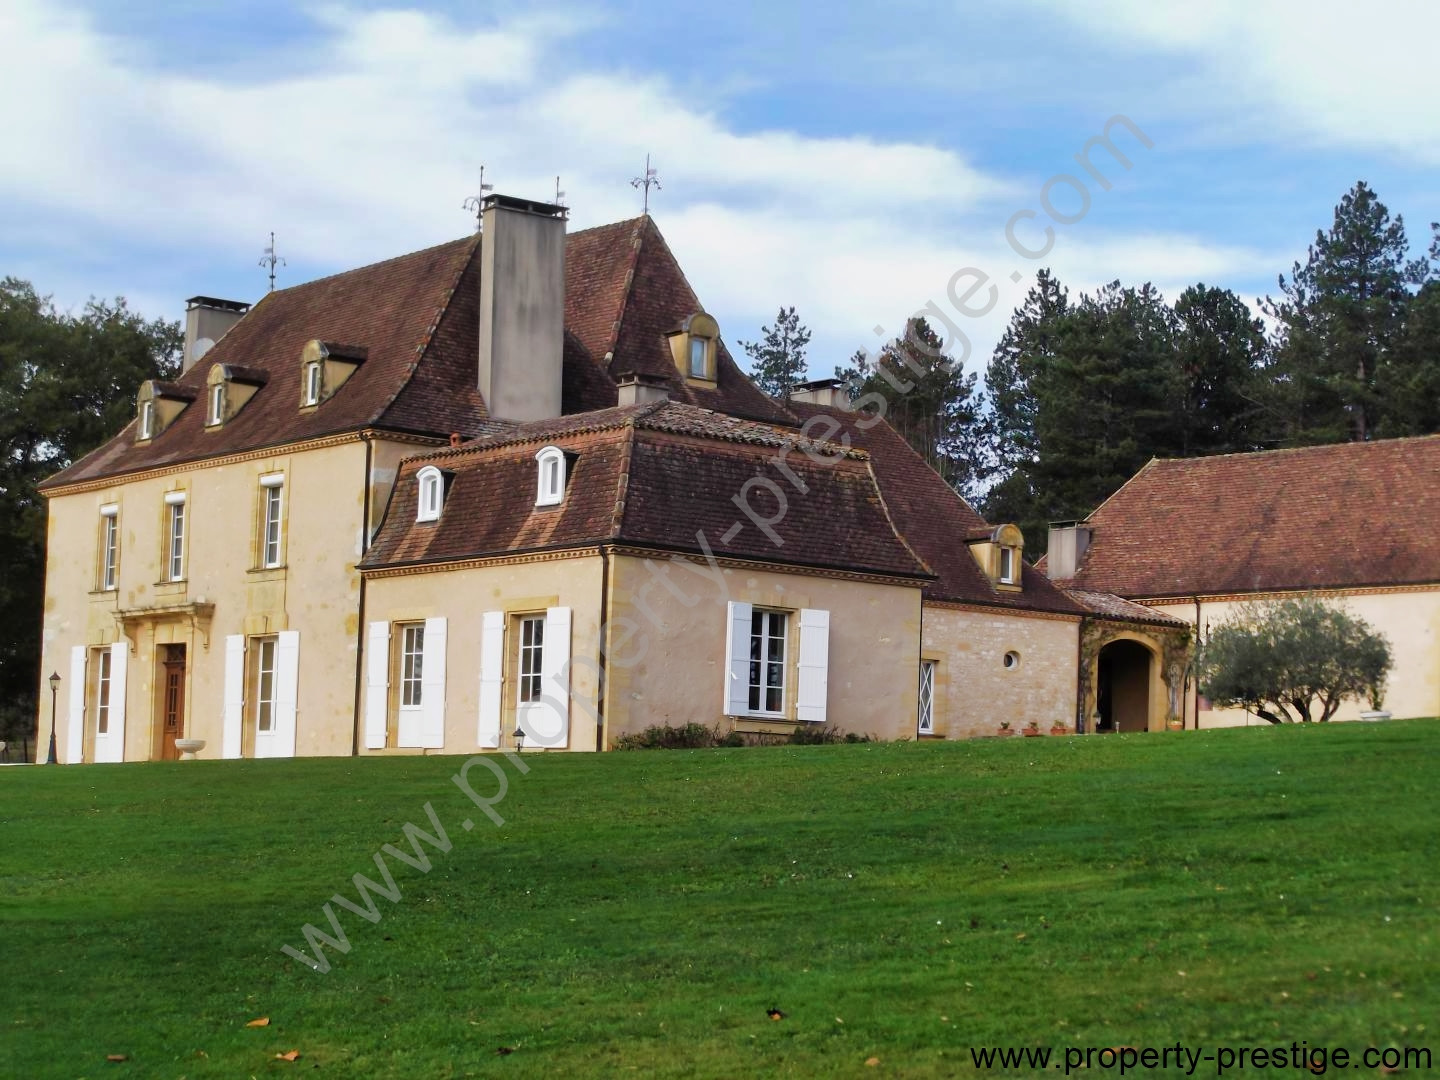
1175 723
1375 712
1059 728
1004 729
1032 729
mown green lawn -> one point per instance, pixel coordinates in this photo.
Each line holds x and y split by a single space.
639 913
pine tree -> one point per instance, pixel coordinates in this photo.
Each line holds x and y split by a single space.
931 401
778 362
1026 350
1219 350
1341 316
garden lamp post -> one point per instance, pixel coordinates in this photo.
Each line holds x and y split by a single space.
54 695
519 736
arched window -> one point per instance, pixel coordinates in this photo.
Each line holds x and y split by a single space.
551 483
432 493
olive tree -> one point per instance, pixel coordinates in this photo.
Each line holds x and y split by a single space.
1293 660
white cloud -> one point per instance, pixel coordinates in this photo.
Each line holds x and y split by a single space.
366 149
1326 70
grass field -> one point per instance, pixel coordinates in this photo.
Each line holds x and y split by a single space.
639 913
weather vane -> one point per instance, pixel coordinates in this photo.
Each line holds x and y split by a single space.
651 178
559 195
476 202
271 260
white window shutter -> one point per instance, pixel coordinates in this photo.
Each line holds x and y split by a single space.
737 659
75 735
549 725
432 687
234 716
377 684
111 746
287 697
813 685
492 669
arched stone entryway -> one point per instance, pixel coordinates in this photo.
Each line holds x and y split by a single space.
1124 680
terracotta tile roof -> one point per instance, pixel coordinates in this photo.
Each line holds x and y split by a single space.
416 318
677 468
392 308
1321 517
1110 606
937 522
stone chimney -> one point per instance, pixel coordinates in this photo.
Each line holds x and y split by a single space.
1065 552
206 321
522 307
829 392
637 388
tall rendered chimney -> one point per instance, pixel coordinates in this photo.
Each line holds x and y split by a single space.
206 321
1065 552
522 307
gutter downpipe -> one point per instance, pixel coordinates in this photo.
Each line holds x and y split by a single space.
360 627
603 689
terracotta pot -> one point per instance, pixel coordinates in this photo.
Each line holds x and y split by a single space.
1005 732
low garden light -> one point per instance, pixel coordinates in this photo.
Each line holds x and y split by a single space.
519 736
50 758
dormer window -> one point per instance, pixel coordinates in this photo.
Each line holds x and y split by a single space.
217 405
147 420
1009 569
551 489
157 406
313 373
431 484
693 347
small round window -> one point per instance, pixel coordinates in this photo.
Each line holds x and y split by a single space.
1012 659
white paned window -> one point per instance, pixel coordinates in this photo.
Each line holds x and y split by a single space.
265 649
432 490
217 404
699 368
102 692
175 537
109 546
147 419
412 665
768 631
927 697
1009 572
272 494
552 476
312 384
532 650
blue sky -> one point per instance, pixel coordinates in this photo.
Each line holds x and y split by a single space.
847 159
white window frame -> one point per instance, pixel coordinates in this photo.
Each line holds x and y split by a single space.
217 405
550 483
147 420
313 382
104 667
272 521
762 665
530 661
1008 569
412 666
925 722
430 487
699 348
175 536
265 702
109 546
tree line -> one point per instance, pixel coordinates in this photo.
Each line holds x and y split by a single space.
1082 390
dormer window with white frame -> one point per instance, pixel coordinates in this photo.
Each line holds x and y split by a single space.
694 346
314 373
147 420
430 484
215 412
1009 568
551 481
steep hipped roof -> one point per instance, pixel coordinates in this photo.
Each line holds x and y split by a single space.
417 317
652 475
1355 514
936 521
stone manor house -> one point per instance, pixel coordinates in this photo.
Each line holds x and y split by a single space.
515 489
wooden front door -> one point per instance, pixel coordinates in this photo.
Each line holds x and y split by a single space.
172 701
